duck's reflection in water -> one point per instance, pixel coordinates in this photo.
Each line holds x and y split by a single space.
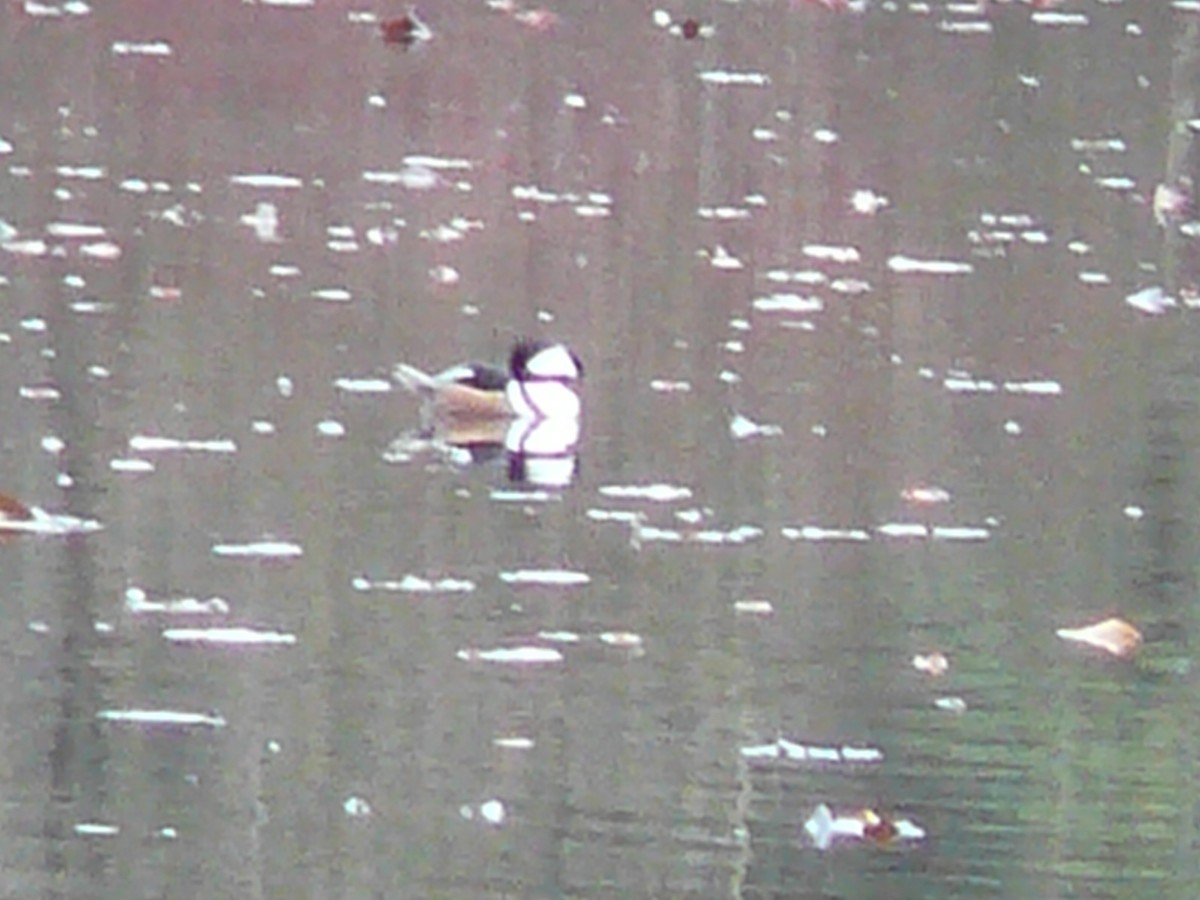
535 452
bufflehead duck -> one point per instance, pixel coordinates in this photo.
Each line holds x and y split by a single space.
540 384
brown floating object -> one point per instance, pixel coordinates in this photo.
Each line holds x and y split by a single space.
13 510
876 828
1115 636
405 30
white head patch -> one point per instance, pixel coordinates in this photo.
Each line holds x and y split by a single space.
555 361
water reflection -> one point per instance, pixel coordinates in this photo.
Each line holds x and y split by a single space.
889 324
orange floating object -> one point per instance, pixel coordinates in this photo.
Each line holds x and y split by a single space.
1115 636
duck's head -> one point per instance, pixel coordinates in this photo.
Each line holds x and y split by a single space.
534 360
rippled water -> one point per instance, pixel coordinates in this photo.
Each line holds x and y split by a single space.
888 321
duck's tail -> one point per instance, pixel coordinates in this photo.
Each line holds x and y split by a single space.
414 379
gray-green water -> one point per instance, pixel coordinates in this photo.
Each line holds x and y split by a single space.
682 211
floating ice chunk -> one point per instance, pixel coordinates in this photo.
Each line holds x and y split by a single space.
26 247
101 250
783 302
516 656
720 258
955 705
723 213
96 829
1055 19
1153 300
356 808
741 535
829 253
800 276
137 602
264 221
906 265
659 493
456 163
753 607
964 26
74 230
625 516
926 495
1041 388
784 749
228 636
35 520
559 637
267 180
363 385
514 742
332 295
964 384
165 717
331 428
131 466
39 392
727 77
259 549
903 530
1117 183
960 533
1094 278
742 427
815 533
626 640
141 48
84 173
866 202
1111 144
144 443
414 584
550 577
490 811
